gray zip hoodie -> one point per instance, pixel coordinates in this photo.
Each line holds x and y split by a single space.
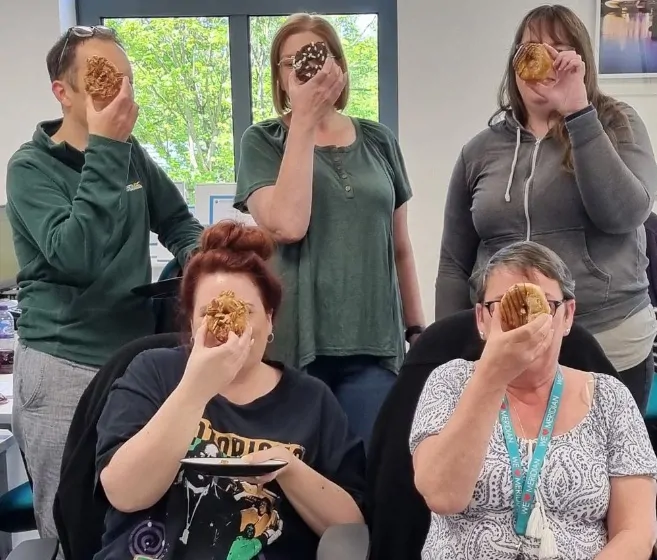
507 186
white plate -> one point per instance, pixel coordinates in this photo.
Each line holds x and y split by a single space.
232 466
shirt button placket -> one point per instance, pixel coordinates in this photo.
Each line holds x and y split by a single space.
344 178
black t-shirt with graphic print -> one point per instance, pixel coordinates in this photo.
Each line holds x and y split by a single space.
210 518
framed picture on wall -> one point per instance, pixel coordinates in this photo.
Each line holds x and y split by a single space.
627 38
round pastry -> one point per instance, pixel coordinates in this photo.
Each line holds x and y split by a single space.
309 60
521 304
102 80
532 62
226 313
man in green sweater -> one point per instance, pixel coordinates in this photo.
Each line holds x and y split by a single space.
83 197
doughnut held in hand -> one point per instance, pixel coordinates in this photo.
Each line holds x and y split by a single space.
309 60
102 80
225 314
521 304
532 62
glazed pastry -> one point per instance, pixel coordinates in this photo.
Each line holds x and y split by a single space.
102 80
309 60
532 62
521 304
226 313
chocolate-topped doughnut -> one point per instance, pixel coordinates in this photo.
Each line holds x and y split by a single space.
309 60
532 62
521 304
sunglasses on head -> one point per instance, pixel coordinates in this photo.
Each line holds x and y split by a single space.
83 32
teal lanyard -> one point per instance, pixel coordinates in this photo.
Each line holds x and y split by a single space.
524 484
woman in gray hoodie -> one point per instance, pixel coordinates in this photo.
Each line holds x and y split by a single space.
566 166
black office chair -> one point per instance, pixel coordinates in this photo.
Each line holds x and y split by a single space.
80 504
16 505
165 307
397 515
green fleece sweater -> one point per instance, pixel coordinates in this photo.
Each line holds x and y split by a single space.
81 225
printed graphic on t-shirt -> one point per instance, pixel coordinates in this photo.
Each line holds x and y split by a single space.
214 518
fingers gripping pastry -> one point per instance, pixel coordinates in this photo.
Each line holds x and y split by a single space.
309 60
521 304
532 62
227 314
102 80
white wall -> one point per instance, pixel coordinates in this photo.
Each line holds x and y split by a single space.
28 28
451 57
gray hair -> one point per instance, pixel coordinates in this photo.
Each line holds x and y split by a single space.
528 258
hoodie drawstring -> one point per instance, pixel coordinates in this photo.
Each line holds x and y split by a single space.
507 194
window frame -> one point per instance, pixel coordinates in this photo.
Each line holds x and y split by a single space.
239 12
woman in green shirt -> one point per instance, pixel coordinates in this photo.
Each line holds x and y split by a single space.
332 190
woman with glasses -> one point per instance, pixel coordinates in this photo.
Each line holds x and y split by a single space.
333 191
519 457
566 166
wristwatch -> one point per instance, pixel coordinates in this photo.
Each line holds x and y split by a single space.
412 331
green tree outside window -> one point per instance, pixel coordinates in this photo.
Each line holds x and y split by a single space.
183 87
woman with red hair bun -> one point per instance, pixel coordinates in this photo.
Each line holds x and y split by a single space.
212 400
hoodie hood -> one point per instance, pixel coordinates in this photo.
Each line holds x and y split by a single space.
67 154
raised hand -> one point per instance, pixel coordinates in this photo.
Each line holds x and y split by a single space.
117 119
566 94
313 100
211 367
508 354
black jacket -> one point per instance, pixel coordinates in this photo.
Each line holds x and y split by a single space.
651 252
79 511
396 514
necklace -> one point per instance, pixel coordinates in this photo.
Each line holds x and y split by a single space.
515 410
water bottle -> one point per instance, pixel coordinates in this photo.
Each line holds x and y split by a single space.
7 335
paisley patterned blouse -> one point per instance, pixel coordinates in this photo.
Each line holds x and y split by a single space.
574 486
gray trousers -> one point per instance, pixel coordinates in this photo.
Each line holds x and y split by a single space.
46 392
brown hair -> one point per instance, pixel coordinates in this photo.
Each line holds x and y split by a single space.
561 24
234 248
298 23
60 59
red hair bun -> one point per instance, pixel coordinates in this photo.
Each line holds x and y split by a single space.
231 247
237 238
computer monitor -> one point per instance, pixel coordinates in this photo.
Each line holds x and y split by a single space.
8 263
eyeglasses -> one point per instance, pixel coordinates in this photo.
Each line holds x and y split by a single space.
558 48
552 304
83 32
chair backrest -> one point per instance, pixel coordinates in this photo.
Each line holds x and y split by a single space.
396 514
80 504
171 270
167 318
